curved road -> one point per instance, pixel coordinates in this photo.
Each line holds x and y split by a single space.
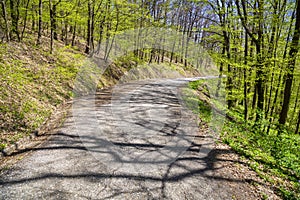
136 141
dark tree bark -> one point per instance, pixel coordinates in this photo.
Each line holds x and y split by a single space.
298 124
260 66
51 26
221 73
25 19
88 36
33 19
38 42
291 66
74 34
245 79
54 21
66 32
4 13
296 102
14 14
92 25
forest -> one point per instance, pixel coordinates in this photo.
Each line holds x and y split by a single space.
254 43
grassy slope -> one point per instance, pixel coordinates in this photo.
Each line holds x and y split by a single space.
276 162
33 83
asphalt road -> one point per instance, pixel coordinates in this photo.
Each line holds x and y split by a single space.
134 141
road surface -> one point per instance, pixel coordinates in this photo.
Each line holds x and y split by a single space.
134 141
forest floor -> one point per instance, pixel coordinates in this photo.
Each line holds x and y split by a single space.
139 142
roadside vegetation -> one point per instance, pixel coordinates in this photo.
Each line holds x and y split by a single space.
33 84
274 155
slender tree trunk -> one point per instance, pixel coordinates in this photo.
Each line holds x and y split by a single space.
66 32
245 79
92 26
74 34
25 19
14 7
298 124
100 35
229 70
54 21
88 36
33 19
221 72
260 66
51 26
271 50
116 28
75 24
270 94
296 102
108 29
40 23
62 35
4 13
291 66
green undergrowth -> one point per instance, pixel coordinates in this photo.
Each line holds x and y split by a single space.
130 68
33 83
275 157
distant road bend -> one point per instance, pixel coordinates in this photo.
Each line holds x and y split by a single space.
136 141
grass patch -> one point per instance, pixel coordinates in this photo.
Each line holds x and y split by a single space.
33 83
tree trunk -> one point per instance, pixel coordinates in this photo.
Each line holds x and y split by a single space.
296 102
229 76
25 19
54 22
92 26
291 66
260 66
14 8
51 26
33 19
245 79
298 124
220 74
88 36
38 42
66 32
74 34
4 13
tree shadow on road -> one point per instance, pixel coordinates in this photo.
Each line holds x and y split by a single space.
187 166
76 159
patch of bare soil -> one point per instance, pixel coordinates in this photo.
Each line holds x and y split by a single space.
235 174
